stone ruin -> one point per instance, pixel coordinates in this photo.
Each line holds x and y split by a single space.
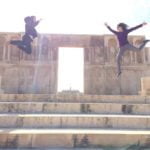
21 73
109 115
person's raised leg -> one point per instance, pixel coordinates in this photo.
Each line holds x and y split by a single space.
144 44
19 43
134 48
27 42
16 42
131 47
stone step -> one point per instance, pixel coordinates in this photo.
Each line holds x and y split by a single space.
75 98
105 148
60 149
59 107
74 121
71 138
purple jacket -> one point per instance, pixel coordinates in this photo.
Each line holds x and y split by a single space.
123 36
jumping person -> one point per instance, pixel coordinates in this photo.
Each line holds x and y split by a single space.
30 34
122 36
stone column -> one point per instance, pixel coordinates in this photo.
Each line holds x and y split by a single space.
1 90
145 86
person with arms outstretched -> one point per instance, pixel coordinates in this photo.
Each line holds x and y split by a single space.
122 36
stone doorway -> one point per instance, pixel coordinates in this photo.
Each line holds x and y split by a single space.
70 69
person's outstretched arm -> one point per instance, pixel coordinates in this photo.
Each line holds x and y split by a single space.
36 23
110 29
137 27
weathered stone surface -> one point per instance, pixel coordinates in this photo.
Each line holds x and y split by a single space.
69 97
104 148
71 107
145 86
62 121
74 121
41 67
63 149
72 138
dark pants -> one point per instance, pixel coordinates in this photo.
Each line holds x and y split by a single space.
24 44
125 48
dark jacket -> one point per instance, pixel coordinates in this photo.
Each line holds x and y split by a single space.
123 36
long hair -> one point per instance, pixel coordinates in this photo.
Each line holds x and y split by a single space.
123 26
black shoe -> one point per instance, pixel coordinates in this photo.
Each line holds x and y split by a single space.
145 41
13 42
119 73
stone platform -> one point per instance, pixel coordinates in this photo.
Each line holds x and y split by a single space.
76 121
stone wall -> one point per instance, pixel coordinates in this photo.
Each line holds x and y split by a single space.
37 73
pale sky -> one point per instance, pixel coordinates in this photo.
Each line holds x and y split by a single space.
74 16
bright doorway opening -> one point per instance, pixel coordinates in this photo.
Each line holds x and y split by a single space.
71 69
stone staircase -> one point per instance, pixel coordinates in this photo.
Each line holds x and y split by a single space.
74 121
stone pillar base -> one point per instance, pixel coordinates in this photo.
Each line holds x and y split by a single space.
145 86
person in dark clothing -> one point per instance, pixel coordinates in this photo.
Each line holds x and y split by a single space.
30 35
122 36
31 23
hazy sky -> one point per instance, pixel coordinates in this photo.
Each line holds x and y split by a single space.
74 16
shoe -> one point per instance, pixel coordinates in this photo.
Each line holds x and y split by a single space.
145 41
119 73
